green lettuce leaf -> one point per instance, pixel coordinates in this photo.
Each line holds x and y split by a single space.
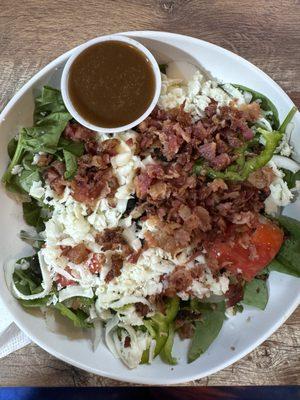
206 329
71 164
256 294
287 260
50 119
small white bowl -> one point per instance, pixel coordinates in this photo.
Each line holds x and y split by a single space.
65 82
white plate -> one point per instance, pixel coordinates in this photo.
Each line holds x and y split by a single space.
243 332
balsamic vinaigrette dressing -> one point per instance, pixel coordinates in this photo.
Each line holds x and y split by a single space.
111 84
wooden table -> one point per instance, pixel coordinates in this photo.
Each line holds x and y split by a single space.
267 33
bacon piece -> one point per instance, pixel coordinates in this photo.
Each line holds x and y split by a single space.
111 239
54 175
127 342
96 263
220 162
77 254
234 294
142 309
208 151
158 190
217 184
44 160
116 266
78 133
262 178
251 112
179 280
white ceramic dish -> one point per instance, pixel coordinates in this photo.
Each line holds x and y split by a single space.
65 77
243 332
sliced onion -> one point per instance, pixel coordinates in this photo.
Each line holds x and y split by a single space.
50 319
46 283
97 334
9 268
109 329
75 291
129 300
286 163
181 70
152 350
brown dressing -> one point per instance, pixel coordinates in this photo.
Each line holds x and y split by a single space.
111 84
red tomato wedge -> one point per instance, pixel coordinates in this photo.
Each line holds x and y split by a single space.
267 239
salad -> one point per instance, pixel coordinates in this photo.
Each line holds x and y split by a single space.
169 228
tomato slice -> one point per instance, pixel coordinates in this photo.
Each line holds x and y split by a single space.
267 240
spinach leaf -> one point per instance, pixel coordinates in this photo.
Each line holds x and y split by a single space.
36 215
71 164
206 330
49 101
265 104
78 317
287 259
277 266
76 148
50 119
289 256
290 225
46 135
31 212
26 178
166 353
256 294
291 177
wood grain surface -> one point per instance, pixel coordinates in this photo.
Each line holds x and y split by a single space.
267 33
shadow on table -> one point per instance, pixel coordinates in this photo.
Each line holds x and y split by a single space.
154 393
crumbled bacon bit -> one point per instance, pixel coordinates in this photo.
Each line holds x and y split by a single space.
111 239
116 266
96 263
262 178
251 112
77 254
186 331
179 280
78 133
127 341
142 309
44 160
63 281
234 294
55 177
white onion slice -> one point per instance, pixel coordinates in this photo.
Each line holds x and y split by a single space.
129 300
286 163
110 326
75 291
97 334
181 70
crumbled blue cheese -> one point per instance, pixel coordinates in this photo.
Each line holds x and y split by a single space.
280 195
37 190
17 169
197 94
